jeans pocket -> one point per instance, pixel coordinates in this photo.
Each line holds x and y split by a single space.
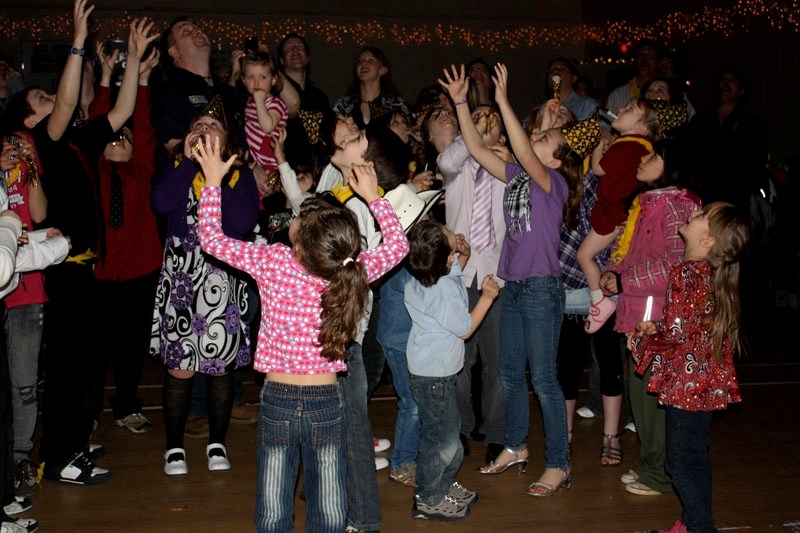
326 433
275 432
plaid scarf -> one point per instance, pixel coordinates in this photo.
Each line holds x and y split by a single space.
518 201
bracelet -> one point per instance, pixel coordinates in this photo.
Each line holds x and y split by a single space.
77 51
460 102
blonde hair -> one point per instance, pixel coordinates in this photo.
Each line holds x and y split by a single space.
730 231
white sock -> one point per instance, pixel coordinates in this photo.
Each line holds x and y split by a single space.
597 295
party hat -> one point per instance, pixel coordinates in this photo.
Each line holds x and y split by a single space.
670 116
582 136
215 110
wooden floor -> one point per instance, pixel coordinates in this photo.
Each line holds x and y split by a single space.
755 453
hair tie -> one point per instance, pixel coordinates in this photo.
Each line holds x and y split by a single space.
347 261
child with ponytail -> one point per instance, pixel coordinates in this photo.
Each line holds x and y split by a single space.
312 297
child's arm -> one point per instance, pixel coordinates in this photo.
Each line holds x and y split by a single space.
597 155
10 230
138 39
288 176
42 250
246 256
457 86
144 135
489 291
102 98
290 97
520 144
268 118
394 247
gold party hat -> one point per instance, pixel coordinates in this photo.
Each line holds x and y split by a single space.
216 110
582 136
670 116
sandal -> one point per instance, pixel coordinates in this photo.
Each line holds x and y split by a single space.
609 455
542 489
498 468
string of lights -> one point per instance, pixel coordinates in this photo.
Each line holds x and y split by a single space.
678 27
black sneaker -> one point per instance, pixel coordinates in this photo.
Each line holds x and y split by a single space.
448 510
80 470
19 505
461 494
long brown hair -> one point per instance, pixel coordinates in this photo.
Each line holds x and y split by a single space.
328 242
572 170
730 230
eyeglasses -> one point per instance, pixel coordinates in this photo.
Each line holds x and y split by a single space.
123 136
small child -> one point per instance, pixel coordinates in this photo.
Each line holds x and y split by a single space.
639 123
265 114
436 299
691 352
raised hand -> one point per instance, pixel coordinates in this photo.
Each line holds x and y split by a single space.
207 153
489 287
107 62
139 37
277 147
500 80
80 18
455 82
147 65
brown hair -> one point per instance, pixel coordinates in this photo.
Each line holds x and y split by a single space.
428 252
730 230
650 118
572 170
263 59
329 242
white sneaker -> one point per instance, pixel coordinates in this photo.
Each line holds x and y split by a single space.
20 525
585 412
19 505
381 445
135 423
175 462
381 463
630 426
219 461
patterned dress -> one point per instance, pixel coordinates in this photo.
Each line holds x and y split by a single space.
198 321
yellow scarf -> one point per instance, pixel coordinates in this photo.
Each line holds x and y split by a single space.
343 192
199 180
624 242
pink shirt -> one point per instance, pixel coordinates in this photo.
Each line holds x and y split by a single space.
290 296
258 141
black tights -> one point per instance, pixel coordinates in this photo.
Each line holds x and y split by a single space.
177 398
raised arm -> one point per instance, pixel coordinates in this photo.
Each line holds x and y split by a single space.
69 86
457 86
138 39
520 143
290 97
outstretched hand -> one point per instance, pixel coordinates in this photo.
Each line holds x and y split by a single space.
139 37
147 65
457 84
80 18
208 154
500 80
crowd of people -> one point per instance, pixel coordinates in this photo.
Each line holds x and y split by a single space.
232 217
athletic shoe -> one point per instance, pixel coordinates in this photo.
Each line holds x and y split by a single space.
96 451
641 489
448 510
461 494
381 445
405 475
79 470
19 505
585 412
20 525
135 423
629 477
381 463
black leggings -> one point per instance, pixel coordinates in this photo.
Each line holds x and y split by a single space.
574 348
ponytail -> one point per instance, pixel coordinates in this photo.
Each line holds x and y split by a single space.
328 241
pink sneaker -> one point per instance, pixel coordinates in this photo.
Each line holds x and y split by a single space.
599 313
677 527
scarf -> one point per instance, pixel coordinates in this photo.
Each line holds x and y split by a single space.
518 201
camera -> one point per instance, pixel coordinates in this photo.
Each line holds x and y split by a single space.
251 44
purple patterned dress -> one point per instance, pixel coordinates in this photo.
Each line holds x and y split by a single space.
199 321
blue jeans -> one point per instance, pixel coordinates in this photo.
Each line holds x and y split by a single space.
440 451
363 502
532 313
297 422
394 327
688 464
23 327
